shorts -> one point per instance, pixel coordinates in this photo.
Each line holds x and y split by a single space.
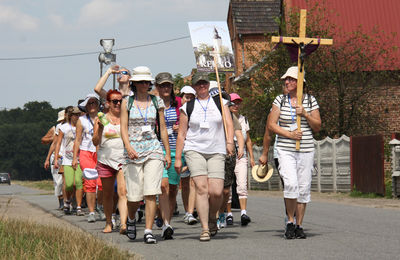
295 169
230 163
211 165
72 177
171 174
105 171
88 159
143 179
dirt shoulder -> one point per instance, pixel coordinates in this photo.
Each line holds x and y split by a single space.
340 198
12 207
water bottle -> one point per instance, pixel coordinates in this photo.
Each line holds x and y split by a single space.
103 119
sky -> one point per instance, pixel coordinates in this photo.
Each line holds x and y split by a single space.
37 28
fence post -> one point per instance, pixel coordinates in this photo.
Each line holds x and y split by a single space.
334 166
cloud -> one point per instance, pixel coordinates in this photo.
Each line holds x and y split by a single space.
103 13
56 20
16 19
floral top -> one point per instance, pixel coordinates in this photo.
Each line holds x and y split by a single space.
145 143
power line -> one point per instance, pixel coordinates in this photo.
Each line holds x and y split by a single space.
94 52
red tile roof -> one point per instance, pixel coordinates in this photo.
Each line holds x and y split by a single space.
347 15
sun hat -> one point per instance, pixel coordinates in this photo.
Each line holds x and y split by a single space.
164 77
82 105
61 115
262 173
188 90
75 110
235 96
141 73
199 76
292 72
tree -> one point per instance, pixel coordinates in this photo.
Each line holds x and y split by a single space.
342 77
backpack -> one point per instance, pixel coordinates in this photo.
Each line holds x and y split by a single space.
190 106
155 103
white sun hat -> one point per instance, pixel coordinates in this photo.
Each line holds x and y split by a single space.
188 90
292 72
141 73
262 173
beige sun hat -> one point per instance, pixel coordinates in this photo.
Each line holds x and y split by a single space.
141 73
262 173
61 115
293 73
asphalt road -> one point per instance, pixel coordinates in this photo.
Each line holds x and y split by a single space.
335 231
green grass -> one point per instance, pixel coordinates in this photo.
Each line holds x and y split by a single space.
25 240
388 192
46 185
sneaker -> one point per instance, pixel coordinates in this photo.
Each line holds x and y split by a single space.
191 220
131 229
244 220
159 222
149 238
195 215
222 220
290 231
186 218
61 204
167 232
91 218
102 216
79 212
229 220
114 222
299 233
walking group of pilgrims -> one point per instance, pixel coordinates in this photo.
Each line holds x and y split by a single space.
131 158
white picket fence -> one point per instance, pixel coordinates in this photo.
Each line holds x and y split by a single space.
331 167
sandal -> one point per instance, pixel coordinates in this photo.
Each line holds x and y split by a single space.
213 227
122 229
149 238
205 235
131 230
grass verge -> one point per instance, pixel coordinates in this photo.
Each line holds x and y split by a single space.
26 240
46 185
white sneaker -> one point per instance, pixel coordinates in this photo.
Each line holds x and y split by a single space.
185 218
114 222
191 220
167 232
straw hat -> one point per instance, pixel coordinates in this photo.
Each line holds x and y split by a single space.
262 173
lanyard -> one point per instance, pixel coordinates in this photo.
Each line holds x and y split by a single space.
205 109
290 104
140 111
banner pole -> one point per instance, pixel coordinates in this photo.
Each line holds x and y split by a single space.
220 96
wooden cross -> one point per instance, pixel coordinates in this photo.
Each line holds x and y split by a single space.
301 41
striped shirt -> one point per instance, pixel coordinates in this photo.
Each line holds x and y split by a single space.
170 120
287 117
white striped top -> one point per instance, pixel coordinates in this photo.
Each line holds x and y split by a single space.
285 120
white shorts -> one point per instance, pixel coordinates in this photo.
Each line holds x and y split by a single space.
295 169
143 179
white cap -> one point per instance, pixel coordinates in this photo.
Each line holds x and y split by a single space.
213 84
188 90
292 72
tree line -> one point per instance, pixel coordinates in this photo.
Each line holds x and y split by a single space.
21 152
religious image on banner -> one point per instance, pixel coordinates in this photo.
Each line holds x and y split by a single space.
209 39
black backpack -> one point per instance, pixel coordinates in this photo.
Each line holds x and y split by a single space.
190 106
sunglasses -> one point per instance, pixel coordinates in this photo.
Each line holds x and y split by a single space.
92 103
124 72
168 85
143 82
116 101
